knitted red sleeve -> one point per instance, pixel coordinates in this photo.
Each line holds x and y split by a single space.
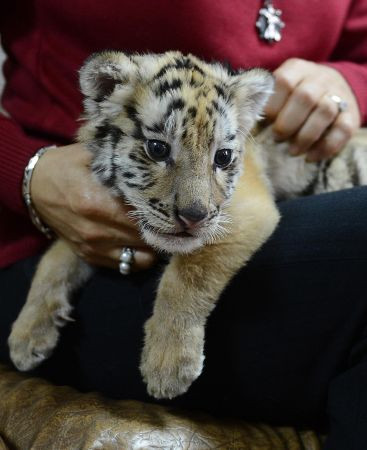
16 148
350 55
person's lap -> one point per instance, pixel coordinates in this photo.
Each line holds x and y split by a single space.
287 326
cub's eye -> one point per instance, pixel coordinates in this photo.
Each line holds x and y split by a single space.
223 158
158 150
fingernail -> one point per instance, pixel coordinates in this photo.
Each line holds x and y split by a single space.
277 137
312 157
294 151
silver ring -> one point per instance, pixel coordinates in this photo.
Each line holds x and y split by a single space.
342 104
126 260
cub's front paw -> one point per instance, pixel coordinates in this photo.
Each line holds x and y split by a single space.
33 337
172 358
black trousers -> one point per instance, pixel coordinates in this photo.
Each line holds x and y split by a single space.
286 344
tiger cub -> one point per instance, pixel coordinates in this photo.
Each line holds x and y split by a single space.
169 134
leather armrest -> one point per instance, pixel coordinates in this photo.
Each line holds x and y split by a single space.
35 414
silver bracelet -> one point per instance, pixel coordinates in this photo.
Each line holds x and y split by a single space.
26 190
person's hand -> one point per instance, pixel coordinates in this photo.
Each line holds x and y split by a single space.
303 112
82 211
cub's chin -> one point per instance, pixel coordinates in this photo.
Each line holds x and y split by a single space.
173 243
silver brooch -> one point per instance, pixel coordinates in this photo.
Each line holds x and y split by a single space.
269 24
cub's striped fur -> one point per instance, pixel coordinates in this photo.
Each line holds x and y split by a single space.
170 134
194 107
293 176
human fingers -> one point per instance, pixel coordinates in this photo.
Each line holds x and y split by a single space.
301 102
315 125
83 212
333 140
73 203
92 233
89 199
309 117
109 256
100 217
287 77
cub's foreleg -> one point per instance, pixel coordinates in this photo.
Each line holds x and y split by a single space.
35 332
191 285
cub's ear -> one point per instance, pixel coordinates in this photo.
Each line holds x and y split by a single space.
106 79
251 90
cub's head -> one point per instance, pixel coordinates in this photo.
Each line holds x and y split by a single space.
167 133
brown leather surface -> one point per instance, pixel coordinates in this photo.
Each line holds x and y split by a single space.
2 445
37 415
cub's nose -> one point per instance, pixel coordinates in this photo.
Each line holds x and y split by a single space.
192 216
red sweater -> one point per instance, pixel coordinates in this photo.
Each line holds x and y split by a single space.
47 40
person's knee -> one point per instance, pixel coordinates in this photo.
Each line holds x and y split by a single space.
325 226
